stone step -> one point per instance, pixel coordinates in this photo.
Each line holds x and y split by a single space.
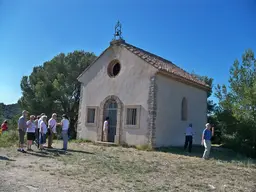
105 143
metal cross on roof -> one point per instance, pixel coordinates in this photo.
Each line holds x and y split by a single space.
118 31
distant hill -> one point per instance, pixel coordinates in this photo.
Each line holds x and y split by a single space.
9 111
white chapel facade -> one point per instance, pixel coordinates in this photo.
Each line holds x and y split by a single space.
148 99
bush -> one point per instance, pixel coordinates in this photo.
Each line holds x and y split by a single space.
144 147
9 138
239 145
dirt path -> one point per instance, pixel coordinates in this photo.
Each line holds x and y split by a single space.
95 168
33 172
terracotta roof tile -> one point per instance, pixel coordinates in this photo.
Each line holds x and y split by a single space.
162 64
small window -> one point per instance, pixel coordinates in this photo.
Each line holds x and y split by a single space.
131 118
114 68
90 115
184 109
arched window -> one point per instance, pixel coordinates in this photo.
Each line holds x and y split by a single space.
184 109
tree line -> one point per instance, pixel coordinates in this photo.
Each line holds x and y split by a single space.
234 116
53 87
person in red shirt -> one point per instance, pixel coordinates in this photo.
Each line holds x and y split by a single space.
4 126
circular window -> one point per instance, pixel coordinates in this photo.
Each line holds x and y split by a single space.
114 69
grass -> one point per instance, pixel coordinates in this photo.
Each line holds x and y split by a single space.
80 141
217 154
9 138
88 167
144 147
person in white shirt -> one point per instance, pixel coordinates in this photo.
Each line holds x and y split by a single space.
31 127
43 131
105 130
52 129
65 126
38 129
189 138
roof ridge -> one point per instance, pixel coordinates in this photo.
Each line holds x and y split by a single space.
154 55
163 64
168 61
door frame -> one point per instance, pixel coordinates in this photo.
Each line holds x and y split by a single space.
118 136
106 113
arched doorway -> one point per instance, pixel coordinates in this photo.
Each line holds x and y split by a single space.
106 108
110 110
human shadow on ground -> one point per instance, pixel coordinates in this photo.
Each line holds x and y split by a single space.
3 158
39 154
217 153
52 150
57 152
79 151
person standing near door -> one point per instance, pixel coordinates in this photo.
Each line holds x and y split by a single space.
105 130
189 138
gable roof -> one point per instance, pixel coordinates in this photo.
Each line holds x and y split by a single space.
160 63
164 65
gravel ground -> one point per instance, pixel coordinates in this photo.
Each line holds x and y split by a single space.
87 167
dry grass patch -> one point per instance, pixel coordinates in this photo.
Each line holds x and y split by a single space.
88 167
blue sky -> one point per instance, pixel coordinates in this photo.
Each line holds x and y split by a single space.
201 36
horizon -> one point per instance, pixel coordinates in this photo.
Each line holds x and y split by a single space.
204 37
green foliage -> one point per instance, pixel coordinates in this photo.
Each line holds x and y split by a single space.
211 108
237 104
144 147
208 81
53 87
81 141
13 123
9 138
9 111
1 115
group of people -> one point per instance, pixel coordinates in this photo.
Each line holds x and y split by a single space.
207 135
37 128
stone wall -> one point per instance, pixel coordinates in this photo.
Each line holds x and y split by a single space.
152 111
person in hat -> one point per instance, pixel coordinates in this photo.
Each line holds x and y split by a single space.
22 127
